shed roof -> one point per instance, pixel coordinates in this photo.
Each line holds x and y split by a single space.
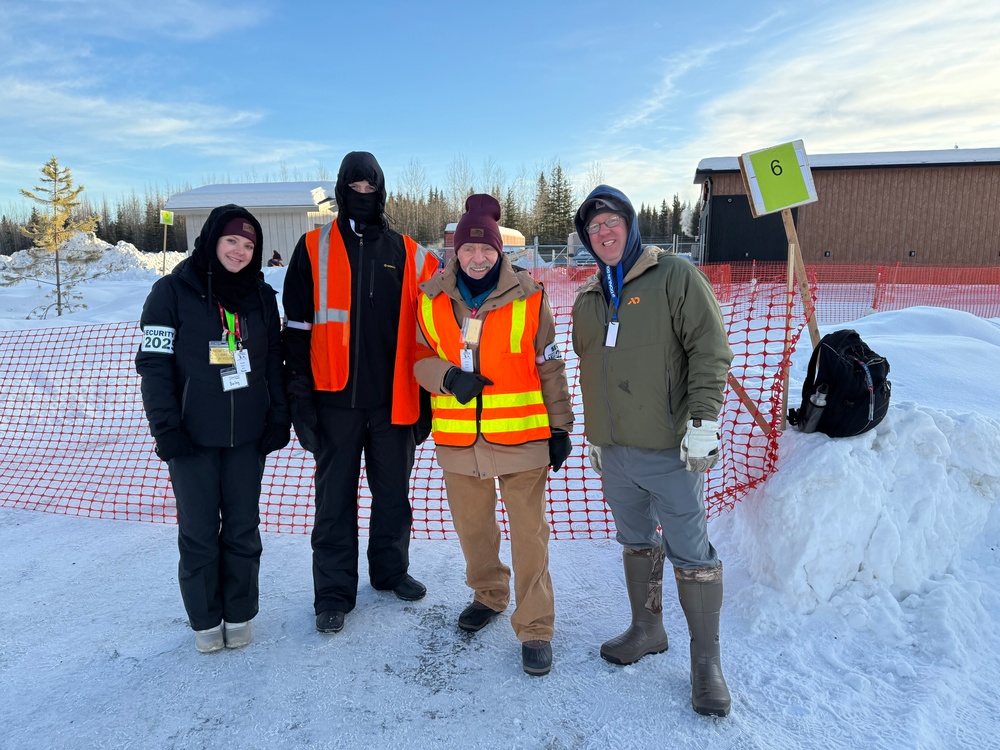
307 195
944 157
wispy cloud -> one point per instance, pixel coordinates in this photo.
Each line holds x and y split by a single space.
897 76
123 19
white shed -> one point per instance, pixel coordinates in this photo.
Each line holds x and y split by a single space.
285 210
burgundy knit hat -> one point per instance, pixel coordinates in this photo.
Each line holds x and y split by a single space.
240 226
479 222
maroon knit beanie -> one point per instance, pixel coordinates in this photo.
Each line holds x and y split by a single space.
241 227
479 222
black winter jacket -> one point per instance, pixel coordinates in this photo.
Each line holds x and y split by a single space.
377 261
180 388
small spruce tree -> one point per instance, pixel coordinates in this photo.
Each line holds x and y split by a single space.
49 229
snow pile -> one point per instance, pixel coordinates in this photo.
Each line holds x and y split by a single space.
889 510
86 256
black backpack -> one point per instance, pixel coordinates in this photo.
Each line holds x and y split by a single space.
856 381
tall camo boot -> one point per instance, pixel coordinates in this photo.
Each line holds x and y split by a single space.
700 592
644 583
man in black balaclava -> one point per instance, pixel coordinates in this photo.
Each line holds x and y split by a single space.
349 344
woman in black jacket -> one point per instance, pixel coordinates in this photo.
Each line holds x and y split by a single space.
212 388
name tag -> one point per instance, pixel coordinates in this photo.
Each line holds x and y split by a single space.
612 338
232 379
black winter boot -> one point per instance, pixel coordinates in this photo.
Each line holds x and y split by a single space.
644 583
700 592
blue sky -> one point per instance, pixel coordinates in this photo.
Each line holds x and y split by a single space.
130 94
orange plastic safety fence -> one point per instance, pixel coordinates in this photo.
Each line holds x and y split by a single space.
74 439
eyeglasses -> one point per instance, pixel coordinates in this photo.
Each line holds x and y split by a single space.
610 223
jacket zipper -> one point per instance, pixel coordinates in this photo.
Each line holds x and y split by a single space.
357 327
604 361
245 333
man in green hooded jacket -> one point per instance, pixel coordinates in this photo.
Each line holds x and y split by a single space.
654 358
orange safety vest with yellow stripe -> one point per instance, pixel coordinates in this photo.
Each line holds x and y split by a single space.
331 327
509 412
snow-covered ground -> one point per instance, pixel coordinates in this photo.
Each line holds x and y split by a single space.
863 596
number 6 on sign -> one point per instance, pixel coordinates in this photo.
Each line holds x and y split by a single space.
777 178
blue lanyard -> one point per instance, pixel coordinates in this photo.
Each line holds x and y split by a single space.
611 287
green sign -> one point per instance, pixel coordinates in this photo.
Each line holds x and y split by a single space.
167 217
777 178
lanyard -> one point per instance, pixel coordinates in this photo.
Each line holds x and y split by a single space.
611 287
230 328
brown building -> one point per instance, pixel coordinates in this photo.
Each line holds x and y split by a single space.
919 207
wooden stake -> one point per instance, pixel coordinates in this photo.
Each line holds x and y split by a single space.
800 272
790 295
749 404
163 264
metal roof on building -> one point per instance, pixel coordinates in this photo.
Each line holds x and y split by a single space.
306 194
939 158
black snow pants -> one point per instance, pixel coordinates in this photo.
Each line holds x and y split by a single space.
388 452
217 492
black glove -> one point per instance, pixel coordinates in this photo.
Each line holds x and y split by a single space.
275 437
303 409
559 448
465 386
173 444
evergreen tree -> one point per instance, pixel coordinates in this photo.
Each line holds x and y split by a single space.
694 223
644 219
560 207
50 230
676 212
541 207
511 211
663 223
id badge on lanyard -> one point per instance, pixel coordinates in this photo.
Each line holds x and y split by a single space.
472 329
611 336
230 351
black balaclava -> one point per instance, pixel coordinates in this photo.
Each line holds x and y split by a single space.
231 290
367 209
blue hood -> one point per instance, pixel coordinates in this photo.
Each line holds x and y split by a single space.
633 244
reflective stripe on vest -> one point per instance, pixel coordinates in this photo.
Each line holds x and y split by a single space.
331 332
509 412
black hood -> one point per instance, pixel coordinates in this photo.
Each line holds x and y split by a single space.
365 209
230 289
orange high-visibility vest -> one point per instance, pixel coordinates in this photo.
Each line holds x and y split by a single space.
331 328
509 412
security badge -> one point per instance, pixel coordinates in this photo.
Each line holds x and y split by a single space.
472 330
612 338
234 377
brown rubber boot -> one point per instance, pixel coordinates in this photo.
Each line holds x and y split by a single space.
700 592
644 583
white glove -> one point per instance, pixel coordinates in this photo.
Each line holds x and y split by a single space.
594 454
700 446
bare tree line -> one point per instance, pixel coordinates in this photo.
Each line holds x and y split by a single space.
538 203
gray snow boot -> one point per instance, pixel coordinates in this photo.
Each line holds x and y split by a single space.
644 583
700 592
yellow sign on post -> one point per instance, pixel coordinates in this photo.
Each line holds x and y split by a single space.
167 218
777 178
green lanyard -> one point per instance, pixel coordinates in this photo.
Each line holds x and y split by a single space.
232 330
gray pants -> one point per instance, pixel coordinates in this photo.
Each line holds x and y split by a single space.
648 488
